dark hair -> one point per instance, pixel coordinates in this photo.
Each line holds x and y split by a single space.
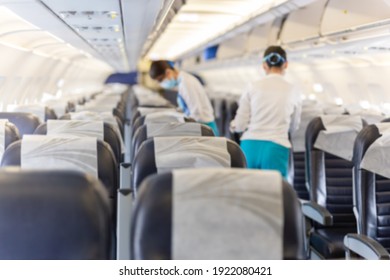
158 68
275 56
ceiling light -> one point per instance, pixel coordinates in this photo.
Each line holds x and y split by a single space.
338 101
312 97
365 104
318 88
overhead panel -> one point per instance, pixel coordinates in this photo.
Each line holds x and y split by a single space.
303 24
99 24
258 38
342 15
20 34
234 47
20 19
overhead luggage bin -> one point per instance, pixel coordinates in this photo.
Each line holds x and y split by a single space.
258 37
303 24
346 15
234 47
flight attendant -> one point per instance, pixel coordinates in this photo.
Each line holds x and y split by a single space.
192 97
267 111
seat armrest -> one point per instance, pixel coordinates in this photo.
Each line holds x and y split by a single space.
303 201
365 247
125 176
317 213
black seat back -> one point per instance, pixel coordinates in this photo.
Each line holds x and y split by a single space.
145 161
11 134
141 120
25 122
231 110
102 117
153 222
107 166
372 192
219 105
171 129
329 178
53 215
50 114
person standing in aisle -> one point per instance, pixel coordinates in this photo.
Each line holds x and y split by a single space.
267 111
192 97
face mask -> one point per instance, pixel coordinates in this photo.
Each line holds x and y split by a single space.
169 84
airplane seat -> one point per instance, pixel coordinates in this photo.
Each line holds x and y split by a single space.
220 114
133 101
25 122
65 117
298 170
120 114
217 197
53 215
151 130
11 133
106 166
113 120
71 107
231 110
8 134
109 135
371 194
143 111
159 117
329 176
50 114
160 154
297 166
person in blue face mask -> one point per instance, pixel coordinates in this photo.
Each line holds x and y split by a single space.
191 98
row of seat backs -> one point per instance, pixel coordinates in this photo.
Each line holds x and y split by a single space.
27 123
53 215
297 164
79 202
152 228
371 192
330 183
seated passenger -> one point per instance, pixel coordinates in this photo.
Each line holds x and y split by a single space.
265 114
192 97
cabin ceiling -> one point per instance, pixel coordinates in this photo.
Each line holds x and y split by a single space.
199 21
111 31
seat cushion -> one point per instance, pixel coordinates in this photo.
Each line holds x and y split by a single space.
329 242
